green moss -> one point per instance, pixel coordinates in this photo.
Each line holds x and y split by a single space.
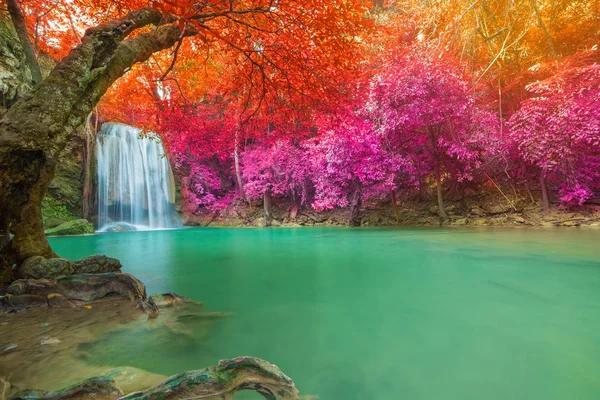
54 213
74 227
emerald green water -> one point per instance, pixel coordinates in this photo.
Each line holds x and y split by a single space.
375 313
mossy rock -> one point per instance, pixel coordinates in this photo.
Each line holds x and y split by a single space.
74 227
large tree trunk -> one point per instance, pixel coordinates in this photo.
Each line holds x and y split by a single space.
36 129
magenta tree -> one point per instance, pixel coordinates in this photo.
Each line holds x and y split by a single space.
349 164
557 131
422 107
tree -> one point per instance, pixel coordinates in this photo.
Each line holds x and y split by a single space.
557 130
279 170
274 46
349 164
423 108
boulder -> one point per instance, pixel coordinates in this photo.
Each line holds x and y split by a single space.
57 300
7 348
519 220
461 221
477 211
97 264
83 287
167 299
74 227
39 267
497 209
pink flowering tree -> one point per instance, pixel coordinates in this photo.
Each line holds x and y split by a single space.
349 165
279 169
422 107
557 131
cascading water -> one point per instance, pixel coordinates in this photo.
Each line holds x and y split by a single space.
136 189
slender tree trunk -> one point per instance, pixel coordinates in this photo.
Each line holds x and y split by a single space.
16 16
355 209
395 207
88 201
238 172
544 187
440 198
267 206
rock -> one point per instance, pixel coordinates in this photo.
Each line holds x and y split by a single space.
130 379
497 209
520 220
102 388
57 300
97 264
434 210
167 299
477 211
461 221
47 340
7 348
87 287
4 388
260 222
46 268
74 227
571 223
12 303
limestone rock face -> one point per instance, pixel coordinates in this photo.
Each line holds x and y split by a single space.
39 267
26 293
74 227
97 264
51 268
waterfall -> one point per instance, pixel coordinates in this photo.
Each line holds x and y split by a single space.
136 189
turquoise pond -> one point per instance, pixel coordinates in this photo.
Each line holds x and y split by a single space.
375 313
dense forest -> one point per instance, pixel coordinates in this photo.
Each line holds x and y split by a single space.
358 103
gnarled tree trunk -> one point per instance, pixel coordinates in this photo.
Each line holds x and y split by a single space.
36 129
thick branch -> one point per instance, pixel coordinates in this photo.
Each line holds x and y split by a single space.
18 21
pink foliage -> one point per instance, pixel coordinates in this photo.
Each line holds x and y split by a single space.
348 159
423 108
558 131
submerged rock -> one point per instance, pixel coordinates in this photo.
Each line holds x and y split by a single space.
93 388
74 227
4 388
167 299
7 348
46 340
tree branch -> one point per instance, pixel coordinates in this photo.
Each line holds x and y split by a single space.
16 15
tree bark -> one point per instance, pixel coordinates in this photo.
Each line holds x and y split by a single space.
544 187
36 129
440 198
16 16
267 206
395 207
355 210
